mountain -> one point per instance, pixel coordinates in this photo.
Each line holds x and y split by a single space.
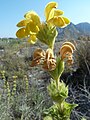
84 28
74 31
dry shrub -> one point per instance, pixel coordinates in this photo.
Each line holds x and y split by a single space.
82 56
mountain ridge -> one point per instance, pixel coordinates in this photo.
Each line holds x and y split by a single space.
73 31
84 27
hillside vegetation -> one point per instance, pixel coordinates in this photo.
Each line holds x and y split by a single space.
28 89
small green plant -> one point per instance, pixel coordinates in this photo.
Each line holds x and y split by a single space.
32 28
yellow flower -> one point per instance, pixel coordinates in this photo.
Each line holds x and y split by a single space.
59 21
29 27
31 15
49 10
54 16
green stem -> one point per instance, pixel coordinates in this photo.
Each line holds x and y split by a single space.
51 43
57 83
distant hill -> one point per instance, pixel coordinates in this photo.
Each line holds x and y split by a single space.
84 28
74 31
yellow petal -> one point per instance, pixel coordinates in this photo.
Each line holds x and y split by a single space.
58 12
31 28
33 16
32 39
21 33
58 21
48 9
22 23
67 21
51 14
27 32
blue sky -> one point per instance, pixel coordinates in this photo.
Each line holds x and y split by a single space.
12 11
